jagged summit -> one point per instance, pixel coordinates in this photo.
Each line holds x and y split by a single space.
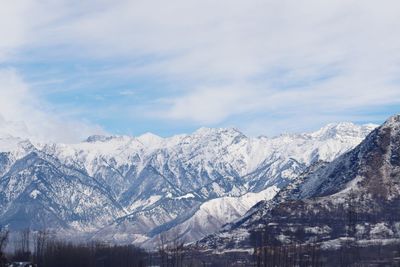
369 163
206 132
393 121
332 130
343 129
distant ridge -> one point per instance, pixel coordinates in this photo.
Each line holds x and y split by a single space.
130 189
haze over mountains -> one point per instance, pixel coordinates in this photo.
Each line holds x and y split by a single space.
131 189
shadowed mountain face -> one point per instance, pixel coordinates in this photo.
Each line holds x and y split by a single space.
357 195
130 189
38 191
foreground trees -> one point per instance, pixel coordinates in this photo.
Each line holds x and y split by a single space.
43 249
270 252
3 243
172 251
58 253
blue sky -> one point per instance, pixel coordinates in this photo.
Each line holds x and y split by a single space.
69 69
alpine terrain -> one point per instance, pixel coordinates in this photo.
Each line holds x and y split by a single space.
354 198
132 189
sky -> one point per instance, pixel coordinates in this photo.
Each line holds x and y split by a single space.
69 68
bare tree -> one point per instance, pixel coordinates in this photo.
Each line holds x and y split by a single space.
177 250
22 246
4 233
349 251
40 241
162 249
171 248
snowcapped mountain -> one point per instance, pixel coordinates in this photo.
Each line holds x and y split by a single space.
356 196
215 213
131 189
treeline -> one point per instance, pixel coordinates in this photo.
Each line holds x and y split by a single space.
60 254
269 252
44 250
3 243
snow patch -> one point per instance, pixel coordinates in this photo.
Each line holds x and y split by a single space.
34 194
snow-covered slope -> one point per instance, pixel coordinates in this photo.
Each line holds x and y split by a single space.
213 214
356 195
147 185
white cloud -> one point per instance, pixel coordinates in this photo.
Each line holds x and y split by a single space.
12 27
289 59
22 114
210 105
225 48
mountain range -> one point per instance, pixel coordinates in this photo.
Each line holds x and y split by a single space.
132 189
354 198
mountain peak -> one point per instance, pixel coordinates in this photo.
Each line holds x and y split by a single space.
149 139
343 129
392 121
213 131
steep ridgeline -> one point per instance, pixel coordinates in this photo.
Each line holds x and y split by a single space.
356 196
130 189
